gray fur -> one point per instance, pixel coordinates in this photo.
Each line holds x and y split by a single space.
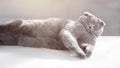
77 36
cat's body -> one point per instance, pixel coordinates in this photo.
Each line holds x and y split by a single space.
54 33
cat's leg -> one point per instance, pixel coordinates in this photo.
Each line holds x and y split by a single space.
8 33
10 27
71 43
87 48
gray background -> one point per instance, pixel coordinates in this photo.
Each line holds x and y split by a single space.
108 10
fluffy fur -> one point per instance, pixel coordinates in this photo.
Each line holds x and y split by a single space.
77 36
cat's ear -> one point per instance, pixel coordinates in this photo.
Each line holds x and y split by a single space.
101 22
88 14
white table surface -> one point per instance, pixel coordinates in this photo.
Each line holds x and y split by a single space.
106 54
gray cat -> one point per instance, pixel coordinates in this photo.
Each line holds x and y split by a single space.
77 36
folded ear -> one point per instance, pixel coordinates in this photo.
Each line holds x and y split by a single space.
88 14
101 22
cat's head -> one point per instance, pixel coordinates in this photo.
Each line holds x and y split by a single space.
93 24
